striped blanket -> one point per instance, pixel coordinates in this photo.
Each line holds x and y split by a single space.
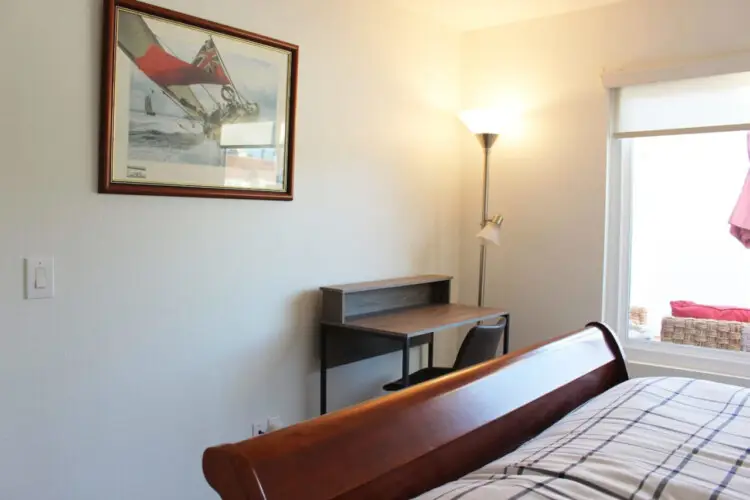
668 438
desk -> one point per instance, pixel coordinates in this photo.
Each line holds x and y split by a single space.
364 320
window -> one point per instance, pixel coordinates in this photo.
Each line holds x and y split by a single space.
250 155
683 189
678 164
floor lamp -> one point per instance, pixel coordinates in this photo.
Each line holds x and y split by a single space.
485 125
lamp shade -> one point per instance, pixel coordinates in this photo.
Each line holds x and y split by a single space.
483 121
490 233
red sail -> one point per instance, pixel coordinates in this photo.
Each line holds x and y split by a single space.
165 69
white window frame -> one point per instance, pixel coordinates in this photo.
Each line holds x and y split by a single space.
617 268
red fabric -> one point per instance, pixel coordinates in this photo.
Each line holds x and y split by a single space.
739 222
165 69
687 309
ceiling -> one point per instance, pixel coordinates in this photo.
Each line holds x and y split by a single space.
476 14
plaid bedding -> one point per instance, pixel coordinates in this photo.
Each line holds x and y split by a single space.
668 438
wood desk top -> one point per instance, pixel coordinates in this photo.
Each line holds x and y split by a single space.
420 320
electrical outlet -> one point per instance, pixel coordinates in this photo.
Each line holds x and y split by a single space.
259 428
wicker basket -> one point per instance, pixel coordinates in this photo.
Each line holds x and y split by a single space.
638 315
704 333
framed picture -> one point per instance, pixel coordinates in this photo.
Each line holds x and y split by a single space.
194 108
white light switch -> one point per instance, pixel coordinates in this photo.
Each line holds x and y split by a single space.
40 277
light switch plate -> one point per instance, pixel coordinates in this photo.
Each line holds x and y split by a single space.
40 277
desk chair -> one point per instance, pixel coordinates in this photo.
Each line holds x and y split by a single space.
480 345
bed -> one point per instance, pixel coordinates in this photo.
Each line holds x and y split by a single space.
557 420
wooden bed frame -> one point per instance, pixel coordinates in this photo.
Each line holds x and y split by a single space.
402 445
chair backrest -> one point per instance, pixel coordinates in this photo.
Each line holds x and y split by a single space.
480 345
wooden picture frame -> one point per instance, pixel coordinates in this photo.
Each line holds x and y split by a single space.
219 124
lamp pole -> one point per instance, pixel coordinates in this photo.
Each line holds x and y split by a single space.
486 141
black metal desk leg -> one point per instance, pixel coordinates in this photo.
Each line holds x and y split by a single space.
506 337
323 368
405 363
431 351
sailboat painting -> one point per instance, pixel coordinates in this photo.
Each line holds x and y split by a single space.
194 108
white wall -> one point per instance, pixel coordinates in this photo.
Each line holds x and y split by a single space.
178 321
549 182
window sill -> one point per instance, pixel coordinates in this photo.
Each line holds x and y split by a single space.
684 357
